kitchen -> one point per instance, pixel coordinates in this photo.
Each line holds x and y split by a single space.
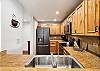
50 35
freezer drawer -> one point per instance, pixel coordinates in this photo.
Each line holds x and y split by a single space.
42 50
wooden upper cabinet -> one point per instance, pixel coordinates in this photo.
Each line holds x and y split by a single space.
58 29
62 28
80 19
52 29
86 18
74 22
55 29
69 18
91 15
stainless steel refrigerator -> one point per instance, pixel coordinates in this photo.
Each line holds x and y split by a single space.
42 41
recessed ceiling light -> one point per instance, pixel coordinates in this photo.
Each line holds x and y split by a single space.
57 12
55 19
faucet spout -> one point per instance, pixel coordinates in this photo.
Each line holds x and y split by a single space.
54 63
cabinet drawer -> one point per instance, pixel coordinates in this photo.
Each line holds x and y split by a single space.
52 45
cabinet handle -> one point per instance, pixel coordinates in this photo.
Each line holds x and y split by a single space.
75 31
97 28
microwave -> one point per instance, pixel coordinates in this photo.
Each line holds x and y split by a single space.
68 28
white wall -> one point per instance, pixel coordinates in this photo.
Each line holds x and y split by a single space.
11 38
14 40
29 33
34 36
0 25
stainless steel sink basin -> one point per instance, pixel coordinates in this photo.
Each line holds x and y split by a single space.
59 61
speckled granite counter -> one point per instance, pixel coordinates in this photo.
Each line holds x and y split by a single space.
44 69
13 60
87 59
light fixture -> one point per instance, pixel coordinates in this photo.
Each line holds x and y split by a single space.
57 12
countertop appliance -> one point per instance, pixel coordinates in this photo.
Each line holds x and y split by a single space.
64 38
69 39
42 41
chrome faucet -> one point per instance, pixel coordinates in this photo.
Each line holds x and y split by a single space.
54 62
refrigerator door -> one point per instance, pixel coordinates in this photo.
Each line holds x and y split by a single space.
39 36
42 50
46 36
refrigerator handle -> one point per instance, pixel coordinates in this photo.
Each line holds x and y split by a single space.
43 36
39 39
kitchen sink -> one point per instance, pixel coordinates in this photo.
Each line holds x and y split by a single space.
57 61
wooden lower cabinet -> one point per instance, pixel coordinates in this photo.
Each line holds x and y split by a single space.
54 47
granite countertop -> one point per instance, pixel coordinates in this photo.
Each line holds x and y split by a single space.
44 69
13 60
87 59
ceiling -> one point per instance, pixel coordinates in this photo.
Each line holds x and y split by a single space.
45 10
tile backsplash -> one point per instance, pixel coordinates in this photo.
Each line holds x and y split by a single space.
93 43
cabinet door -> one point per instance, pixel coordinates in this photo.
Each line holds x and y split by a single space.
57 29
53 47
91 16
74 23
80 18
62 28
52 29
